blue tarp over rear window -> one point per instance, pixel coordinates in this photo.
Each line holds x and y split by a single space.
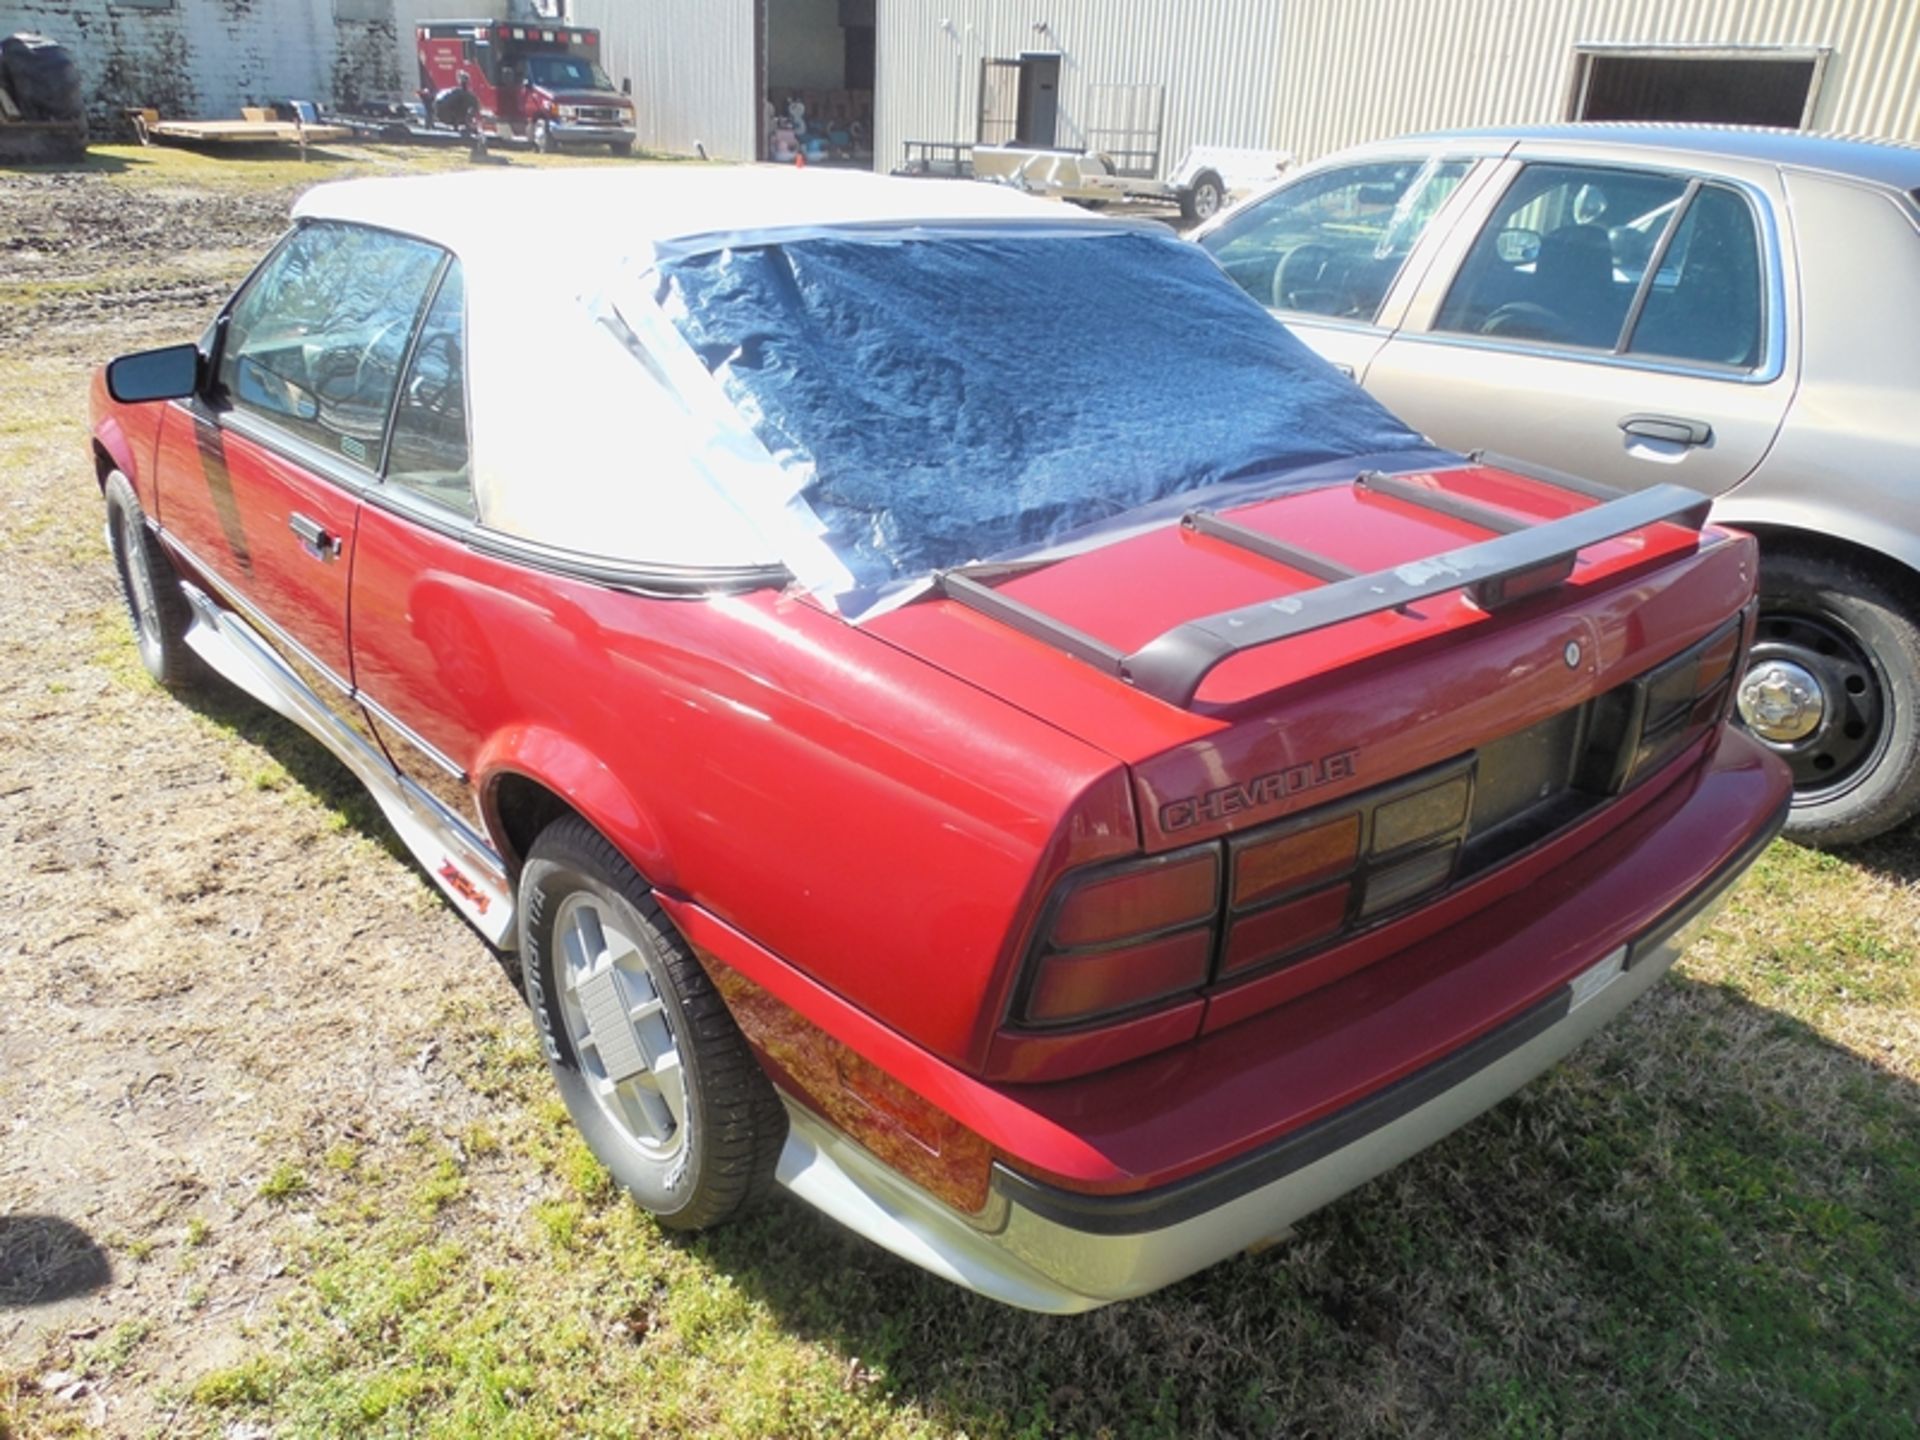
952 399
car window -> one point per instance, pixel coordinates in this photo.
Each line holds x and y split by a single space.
428 454
1332 243
1704 303
315 342
566 72
1562 255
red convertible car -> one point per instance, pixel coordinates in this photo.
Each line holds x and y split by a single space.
957 710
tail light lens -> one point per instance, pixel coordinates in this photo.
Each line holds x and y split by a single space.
1298 887
1684 698
1120 938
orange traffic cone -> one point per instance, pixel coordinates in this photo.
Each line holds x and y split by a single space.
799 159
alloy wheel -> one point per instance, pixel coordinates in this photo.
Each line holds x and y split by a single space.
143 606
619 1026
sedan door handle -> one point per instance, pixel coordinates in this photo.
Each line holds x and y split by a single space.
320 542
1670 428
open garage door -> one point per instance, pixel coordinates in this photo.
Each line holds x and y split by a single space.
816 82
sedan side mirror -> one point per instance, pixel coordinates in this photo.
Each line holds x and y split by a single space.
169 374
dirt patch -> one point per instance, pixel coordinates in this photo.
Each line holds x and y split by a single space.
201 987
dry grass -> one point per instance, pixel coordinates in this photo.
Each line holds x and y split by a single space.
258 1072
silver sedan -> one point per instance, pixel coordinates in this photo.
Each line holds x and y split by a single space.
1737 310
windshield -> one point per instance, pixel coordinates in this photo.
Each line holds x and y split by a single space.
566 72
940 401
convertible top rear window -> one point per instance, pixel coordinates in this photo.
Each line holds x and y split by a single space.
943 401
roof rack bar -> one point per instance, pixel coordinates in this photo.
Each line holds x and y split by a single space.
1173 665
1559 479
960 586
1268 547
1442 503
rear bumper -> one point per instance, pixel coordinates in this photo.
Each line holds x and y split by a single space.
1047 1248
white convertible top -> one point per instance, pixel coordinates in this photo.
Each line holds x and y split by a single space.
554 216
595 429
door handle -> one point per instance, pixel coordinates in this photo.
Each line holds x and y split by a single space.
318 541
1670 428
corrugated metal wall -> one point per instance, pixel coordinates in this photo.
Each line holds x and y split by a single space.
691 63
1354 70
1216 58
1314 75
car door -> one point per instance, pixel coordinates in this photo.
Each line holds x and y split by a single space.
1326 251
265 470
1624 322
424 661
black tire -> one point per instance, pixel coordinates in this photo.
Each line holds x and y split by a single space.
735 1124
1203 199
622 148
156 605
1858 774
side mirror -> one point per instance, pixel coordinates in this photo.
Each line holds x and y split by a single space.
1517 246
254 384
169 374
626 85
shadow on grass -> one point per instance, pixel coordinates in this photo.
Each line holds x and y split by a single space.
95 163
1705 1222
1895 856
44 1258
310 765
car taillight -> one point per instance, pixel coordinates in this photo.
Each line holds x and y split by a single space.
1295 889
1120 938
1685 697
1117 939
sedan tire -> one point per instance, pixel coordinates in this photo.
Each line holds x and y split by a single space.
1833 686
649 1061
156 605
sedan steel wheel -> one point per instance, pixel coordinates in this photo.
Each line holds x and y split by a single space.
1813 694
619 1027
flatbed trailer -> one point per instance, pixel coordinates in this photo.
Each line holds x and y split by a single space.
258 125
1206 178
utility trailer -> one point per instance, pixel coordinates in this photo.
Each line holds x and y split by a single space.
1207 176
295 122
407 122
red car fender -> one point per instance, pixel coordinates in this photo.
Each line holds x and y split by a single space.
110 432
569 770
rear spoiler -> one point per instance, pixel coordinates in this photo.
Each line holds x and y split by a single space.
1523 559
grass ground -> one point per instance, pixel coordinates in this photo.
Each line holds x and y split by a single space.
281 1159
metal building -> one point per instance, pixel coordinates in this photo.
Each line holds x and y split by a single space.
1356 70
1155 76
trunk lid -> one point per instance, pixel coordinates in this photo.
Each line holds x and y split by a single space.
1274 728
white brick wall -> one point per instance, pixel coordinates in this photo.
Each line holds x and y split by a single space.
207 58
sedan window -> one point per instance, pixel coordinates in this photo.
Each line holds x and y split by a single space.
428 454
1705 301
1332 243
1562 256
314 344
